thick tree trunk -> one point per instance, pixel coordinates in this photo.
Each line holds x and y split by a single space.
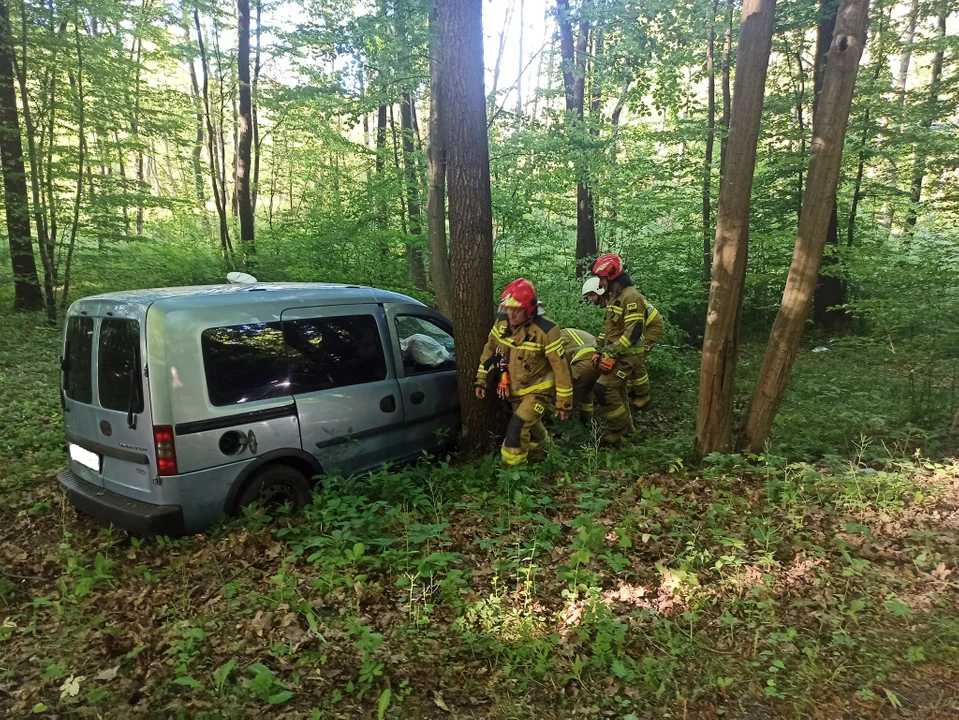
830 288
245 133
463 105
714 421
931 113
825 158
727 97
710 134
436 199
414 253
908 38
197 152
218 198
26 283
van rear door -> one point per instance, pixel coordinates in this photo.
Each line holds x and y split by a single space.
347 396
109 428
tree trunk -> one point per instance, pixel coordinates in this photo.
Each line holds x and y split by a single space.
879 63
198 142
26 283
463 107
574 84
710 133
218 199
727 98
81 159
825 158
907 41
383 212
714 421
830 288
414 253
245 133
436 200
931 113
36 187
519 72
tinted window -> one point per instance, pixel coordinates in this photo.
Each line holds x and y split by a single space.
335 352
118 366
426 347
244 363
77 358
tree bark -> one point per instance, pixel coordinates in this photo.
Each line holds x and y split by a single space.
245 133
436 199
931 113
908 38
714 419
727 97
830 288
825 157
218 199
519 72
26 282
710 134
463 104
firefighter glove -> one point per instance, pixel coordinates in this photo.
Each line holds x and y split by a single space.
607 363
502 389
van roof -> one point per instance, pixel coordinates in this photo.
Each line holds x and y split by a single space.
219 295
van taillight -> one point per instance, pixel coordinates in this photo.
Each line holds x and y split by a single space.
166 449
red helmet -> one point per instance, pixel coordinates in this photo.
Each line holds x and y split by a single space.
520 294
609 266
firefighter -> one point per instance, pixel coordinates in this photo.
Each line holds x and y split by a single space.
579 348
534 378
621 346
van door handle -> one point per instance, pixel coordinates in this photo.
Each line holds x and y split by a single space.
417 397
388 404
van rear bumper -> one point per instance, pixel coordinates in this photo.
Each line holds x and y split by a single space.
129 514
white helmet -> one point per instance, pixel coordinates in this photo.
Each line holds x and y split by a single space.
592 286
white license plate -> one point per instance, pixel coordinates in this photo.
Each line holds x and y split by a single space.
85 457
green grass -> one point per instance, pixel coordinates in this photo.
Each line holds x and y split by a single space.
820 577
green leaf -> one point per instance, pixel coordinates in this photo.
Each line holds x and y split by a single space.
383 704
188 681
897 608
39 708
280 697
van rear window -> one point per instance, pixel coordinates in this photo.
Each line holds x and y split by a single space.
77 360
119 376
244 363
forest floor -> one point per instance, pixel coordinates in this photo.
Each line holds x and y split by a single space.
818 580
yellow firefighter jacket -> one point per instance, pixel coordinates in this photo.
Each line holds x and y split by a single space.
535 359
577 345
627 315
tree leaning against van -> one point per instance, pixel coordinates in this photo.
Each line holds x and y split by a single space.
535 376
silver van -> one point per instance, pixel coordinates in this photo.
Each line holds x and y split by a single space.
182 405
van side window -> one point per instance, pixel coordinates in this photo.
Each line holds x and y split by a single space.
334 352
425 346
78 360
119 378
244 363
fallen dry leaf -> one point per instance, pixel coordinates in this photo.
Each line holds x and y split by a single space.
107 674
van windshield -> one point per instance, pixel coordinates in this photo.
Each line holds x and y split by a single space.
118 366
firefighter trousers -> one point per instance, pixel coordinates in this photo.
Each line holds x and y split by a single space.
584 377
611 397
639 382
525 434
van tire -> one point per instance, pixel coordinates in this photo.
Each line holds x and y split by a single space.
274 485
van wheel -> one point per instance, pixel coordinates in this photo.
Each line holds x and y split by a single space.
274 486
